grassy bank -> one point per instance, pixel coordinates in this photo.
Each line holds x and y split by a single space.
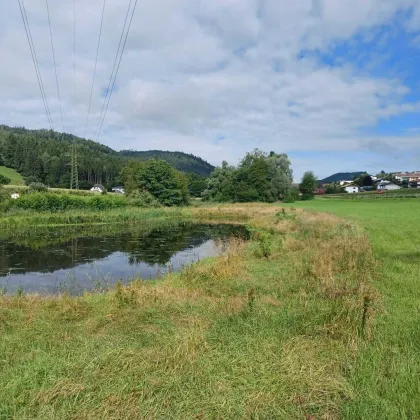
25 219
386 376
269 330
15 177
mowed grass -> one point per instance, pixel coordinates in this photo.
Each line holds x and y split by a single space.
271 329
16 178
386 377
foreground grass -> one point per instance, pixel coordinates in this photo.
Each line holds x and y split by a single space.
386 374
271 329
15 177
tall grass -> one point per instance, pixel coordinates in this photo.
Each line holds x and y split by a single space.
23 188
47 202
386 373
24 219
238 336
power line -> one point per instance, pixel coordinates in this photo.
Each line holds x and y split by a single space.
113 69
74 176
74 63
37 69
94 71
109 92
35 59
55 65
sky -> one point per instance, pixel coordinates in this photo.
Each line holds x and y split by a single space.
332 83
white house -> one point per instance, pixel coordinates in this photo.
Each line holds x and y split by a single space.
118 190
351 189
15 196
388 186
98 188
344 183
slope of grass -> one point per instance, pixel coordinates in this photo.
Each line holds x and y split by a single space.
271 329
386 376
16 178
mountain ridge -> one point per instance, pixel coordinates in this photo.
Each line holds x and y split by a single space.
45 155
341 176
185 162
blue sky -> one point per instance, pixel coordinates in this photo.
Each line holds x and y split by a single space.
333 83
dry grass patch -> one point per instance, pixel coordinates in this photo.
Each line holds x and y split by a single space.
62 389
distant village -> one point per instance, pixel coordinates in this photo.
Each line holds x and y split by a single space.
365 182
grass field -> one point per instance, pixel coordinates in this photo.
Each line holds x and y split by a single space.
12 174
387 373
391 194
299 323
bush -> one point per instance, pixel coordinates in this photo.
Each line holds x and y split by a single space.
60 202
307 196
31 180
37 187
82 193
4 180
142 199
5 199
263 243
291 196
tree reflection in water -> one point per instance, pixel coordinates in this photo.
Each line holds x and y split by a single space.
53 250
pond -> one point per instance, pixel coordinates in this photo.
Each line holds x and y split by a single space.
52 261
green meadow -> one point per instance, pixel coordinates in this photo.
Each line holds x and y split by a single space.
386 376
315 317
16 178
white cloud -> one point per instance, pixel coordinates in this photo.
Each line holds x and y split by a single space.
195 70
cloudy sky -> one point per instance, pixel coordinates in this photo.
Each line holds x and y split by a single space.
334 83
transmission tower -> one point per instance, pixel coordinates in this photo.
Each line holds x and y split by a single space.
74 177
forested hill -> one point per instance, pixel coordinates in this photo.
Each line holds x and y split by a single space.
45 155
341 176
179 160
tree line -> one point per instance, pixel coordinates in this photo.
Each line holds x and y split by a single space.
43 156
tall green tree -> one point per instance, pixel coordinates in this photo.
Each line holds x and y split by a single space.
281 174
367 181
196 184
308 185
253 181
220 185
160 179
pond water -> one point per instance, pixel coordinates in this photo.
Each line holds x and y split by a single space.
52 261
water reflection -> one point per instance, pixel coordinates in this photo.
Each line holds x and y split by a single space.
50 260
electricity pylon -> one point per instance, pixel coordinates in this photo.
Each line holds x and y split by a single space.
74 176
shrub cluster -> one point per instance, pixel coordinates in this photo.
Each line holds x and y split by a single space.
59 202
37 187
139 198
4 180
